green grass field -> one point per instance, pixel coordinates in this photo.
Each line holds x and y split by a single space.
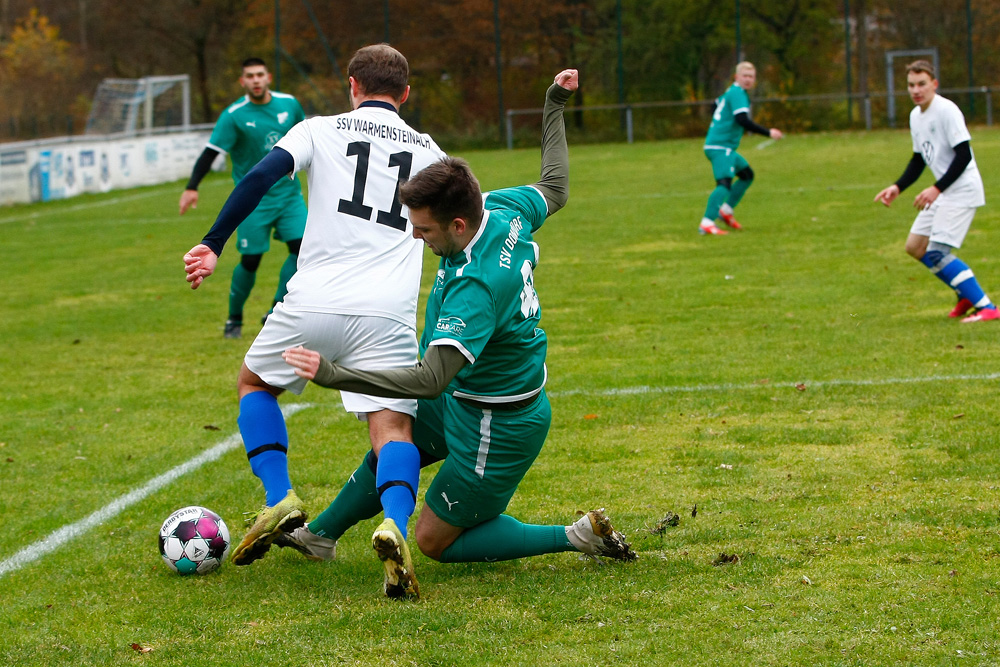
799 383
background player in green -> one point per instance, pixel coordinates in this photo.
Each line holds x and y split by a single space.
483 407
731 118
248 130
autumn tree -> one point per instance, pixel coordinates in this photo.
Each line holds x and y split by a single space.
37 75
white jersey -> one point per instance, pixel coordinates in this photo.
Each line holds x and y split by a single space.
935 132
358 254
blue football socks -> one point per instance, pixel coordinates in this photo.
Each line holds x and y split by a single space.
396 477
266 440
956 274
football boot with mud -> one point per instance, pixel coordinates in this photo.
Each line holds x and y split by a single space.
268 524
307 543
391 549
594 535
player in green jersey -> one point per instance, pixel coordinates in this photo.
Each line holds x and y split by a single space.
730 120
248 130
483 408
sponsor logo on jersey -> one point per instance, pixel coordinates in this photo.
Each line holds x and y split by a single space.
453 325
927 148
251 123
271 140
282 117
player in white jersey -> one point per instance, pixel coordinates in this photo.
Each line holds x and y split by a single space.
354 295
941 142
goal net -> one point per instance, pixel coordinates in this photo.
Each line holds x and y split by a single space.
128 106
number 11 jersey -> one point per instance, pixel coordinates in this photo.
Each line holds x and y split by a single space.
358 254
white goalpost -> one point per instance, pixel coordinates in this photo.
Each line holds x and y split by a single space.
132 106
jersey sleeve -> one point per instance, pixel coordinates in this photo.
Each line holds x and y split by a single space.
298 141
955 129
224 134
739 101
524 199
467 318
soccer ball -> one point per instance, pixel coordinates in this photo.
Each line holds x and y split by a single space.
194 540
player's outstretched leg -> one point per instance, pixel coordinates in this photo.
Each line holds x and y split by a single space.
506 538
266 441
390 547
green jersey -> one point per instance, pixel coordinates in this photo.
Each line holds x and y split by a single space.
484 302
249 131
725 132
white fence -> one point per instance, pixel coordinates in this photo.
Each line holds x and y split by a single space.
50 169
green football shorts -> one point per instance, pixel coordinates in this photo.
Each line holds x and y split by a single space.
725 162
287 220
486 455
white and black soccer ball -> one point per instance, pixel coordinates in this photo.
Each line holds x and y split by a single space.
194 540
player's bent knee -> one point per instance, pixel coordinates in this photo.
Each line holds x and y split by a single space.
430 543
727 183
250 262
434 535
294 246
937 257
745 174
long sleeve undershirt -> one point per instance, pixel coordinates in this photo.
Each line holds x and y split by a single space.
963 156
743 118
247 194
427 379
201 168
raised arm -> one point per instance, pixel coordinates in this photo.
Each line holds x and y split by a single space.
554 181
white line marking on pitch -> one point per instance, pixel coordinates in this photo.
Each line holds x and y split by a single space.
644 389
36 215
74 530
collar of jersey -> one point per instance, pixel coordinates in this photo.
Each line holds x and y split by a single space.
378 104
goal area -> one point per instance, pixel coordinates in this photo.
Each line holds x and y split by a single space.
133 106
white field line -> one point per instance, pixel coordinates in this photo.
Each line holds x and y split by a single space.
37 215
764 144
74 530
683 194
645 389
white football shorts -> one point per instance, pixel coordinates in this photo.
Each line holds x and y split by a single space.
944 223
357 341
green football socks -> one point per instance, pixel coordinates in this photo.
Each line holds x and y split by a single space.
357 501
239 291
287 271
505 538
